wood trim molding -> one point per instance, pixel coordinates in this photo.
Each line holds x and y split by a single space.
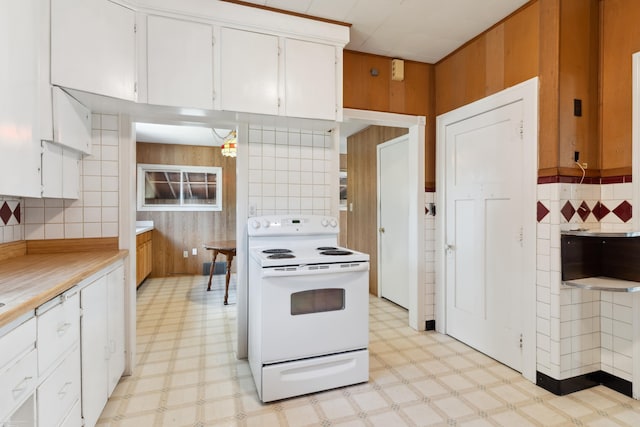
13 249
71 245
288 12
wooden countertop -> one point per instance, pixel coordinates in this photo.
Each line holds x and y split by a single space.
29 281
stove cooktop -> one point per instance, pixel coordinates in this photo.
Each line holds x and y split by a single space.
271 257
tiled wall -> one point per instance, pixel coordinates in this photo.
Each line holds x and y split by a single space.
95 213
580 331
429 258
11 219
290 171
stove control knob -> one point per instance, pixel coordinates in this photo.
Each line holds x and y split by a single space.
255 224
324 222
333 223
266 223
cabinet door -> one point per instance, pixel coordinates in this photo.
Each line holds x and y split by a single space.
248 72
93 47
95 351
179 63
115 327
70 174
71 122
60 171
19 112
310 80
51 170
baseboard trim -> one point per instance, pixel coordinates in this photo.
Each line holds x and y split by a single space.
583 382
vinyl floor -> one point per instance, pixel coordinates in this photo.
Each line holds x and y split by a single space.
187 374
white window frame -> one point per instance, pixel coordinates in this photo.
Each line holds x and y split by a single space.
144 167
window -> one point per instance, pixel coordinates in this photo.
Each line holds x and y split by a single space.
179 188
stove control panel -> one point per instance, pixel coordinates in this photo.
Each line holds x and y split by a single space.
306 224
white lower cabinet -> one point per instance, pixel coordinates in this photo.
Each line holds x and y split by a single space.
58 367
60 392
18 372
102 341
58 358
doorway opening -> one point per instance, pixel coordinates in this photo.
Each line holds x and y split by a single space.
362 198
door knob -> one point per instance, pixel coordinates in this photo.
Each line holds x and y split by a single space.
381 229
450 247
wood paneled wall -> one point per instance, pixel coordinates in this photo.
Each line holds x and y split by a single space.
175 232
554 40
414 95
579 49
620 39
362 193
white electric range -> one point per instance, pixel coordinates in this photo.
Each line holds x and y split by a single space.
308 307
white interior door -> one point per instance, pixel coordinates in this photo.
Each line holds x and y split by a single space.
484 232
393 226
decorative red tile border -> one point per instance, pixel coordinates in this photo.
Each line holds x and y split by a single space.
10 212
599 211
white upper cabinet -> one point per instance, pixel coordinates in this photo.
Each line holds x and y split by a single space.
93 47
179 63
71 122
21 29
60 171
248 72
269 74
310 80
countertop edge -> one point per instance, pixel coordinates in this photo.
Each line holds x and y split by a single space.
12 312
140 230
603 284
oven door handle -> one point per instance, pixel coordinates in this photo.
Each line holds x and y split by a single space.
315 269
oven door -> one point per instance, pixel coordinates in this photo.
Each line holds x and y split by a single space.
314 310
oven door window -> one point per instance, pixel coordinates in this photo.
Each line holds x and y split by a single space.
317 301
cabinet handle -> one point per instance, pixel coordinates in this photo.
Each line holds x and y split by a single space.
63 391
62 329
21 388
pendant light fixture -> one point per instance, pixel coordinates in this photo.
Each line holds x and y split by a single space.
228 146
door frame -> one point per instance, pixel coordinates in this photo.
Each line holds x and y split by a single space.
528 93
410 236
416 262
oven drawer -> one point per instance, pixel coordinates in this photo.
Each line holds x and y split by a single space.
311 375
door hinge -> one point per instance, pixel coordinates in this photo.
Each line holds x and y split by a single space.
213 40
521 235
135 28
521 129
520 340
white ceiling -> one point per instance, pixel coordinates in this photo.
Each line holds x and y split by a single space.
419 30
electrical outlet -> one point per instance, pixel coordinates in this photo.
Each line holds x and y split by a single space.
584 165
194 251
185 254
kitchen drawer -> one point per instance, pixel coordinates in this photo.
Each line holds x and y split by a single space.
17 342
74 417
61 390
18 382
58 331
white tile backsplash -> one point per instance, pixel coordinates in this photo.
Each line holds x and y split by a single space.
289 171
